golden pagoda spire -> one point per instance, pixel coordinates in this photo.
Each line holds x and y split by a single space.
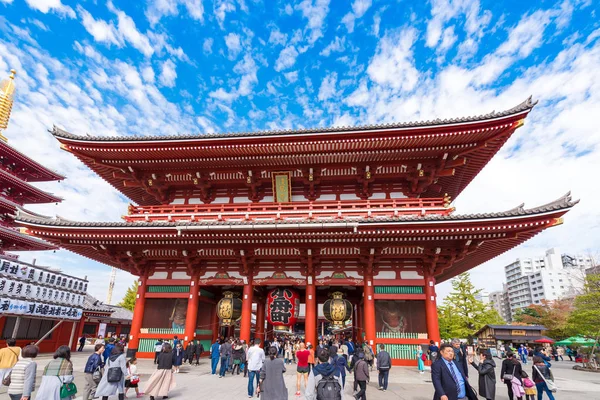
7 90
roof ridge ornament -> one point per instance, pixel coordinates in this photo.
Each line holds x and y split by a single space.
7 91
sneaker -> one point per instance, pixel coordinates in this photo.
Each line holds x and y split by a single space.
380 387
297 393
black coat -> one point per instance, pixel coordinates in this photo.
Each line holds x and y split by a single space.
507 368
487 378
444 384
165 360
461 359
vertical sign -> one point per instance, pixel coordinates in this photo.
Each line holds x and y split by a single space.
282 187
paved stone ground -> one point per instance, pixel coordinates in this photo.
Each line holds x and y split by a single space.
405 383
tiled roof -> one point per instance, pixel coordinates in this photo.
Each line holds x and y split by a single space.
528 104
116 313
563 202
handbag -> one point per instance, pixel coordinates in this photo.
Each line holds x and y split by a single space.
6 381
508 377
133 379
549 382
114 374
97 374
67 390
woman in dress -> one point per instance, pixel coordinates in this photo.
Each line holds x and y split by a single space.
420 362
288 352
162 380
178 356
271 385
117 361
22 376
58 372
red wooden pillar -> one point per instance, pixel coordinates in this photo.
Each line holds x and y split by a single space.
191 317
369 307
269 333
246 321
216 325
260 321
138 317
359 322
431 316
310 322
118 330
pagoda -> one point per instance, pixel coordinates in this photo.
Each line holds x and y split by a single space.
16 172
364 211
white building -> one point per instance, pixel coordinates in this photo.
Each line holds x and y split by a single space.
499 301
552 277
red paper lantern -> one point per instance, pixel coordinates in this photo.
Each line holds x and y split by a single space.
283 308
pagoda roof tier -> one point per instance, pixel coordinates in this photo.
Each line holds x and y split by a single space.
448 244
24 167
418 159
21 192
13 240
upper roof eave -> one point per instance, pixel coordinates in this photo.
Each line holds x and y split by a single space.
523 107
565 202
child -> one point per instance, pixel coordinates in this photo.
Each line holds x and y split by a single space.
132 379
529 386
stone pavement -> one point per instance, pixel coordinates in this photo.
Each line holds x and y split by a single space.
404 384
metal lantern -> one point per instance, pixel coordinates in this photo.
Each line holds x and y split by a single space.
229 309
283 308
337 310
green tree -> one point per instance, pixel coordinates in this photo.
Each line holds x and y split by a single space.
585 318
461 314
554 315
128 301
523 313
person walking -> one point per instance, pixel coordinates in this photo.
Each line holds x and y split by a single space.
8 358
113 380
94 362
157 350
272 385
449 380
190 350
421 357
81 343
540 374
511 368
162 380
108 349
178 355
22 375
57 373
311 357
368 354
100 340
487 375
529 386
460 356
255 358
433 350
384 364
361 376
287 348
132 380
339 361
225 353
302 369
236 355
214 356
324 381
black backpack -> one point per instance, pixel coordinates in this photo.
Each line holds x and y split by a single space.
329 388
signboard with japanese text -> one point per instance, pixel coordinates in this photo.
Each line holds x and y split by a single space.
34 309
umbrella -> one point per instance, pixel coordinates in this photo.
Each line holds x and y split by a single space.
544 339
577 340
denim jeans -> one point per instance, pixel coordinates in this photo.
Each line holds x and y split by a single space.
223 366
213 363
251 375
383 378
541 388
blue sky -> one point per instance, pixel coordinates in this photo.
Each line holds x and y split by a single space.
171 66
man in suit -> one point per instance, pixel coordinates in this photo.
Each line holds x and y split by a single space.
460 356
449 380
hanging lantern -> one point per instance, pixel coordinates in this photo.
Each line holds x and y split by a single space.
337 310
283 308
229 309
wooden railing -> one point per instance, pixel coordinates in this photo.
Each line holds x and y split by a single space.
344 209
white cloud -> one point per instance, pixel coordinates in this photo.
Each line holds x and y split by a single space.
101 31
247 69
393 63
359 8
223 95
207 45
127 29
337 45
6 1
286 59
289 10
168 75
315 12
221 8
327 89
158 9
276 37
46 6
376 24
234 46
291 76
148 74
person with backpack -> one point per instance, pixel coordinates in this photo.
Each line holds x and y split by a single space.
93 364
113 380
529 386
325 380
361 376
384 363
108 349
368 354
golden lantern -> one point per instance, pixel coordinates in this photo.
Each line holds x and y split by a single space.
7 90
337 310
229 309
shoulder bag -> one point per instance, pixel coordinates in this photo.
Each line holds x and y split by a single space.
549 382
67 390
97 374
6 381
114 374
508 377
